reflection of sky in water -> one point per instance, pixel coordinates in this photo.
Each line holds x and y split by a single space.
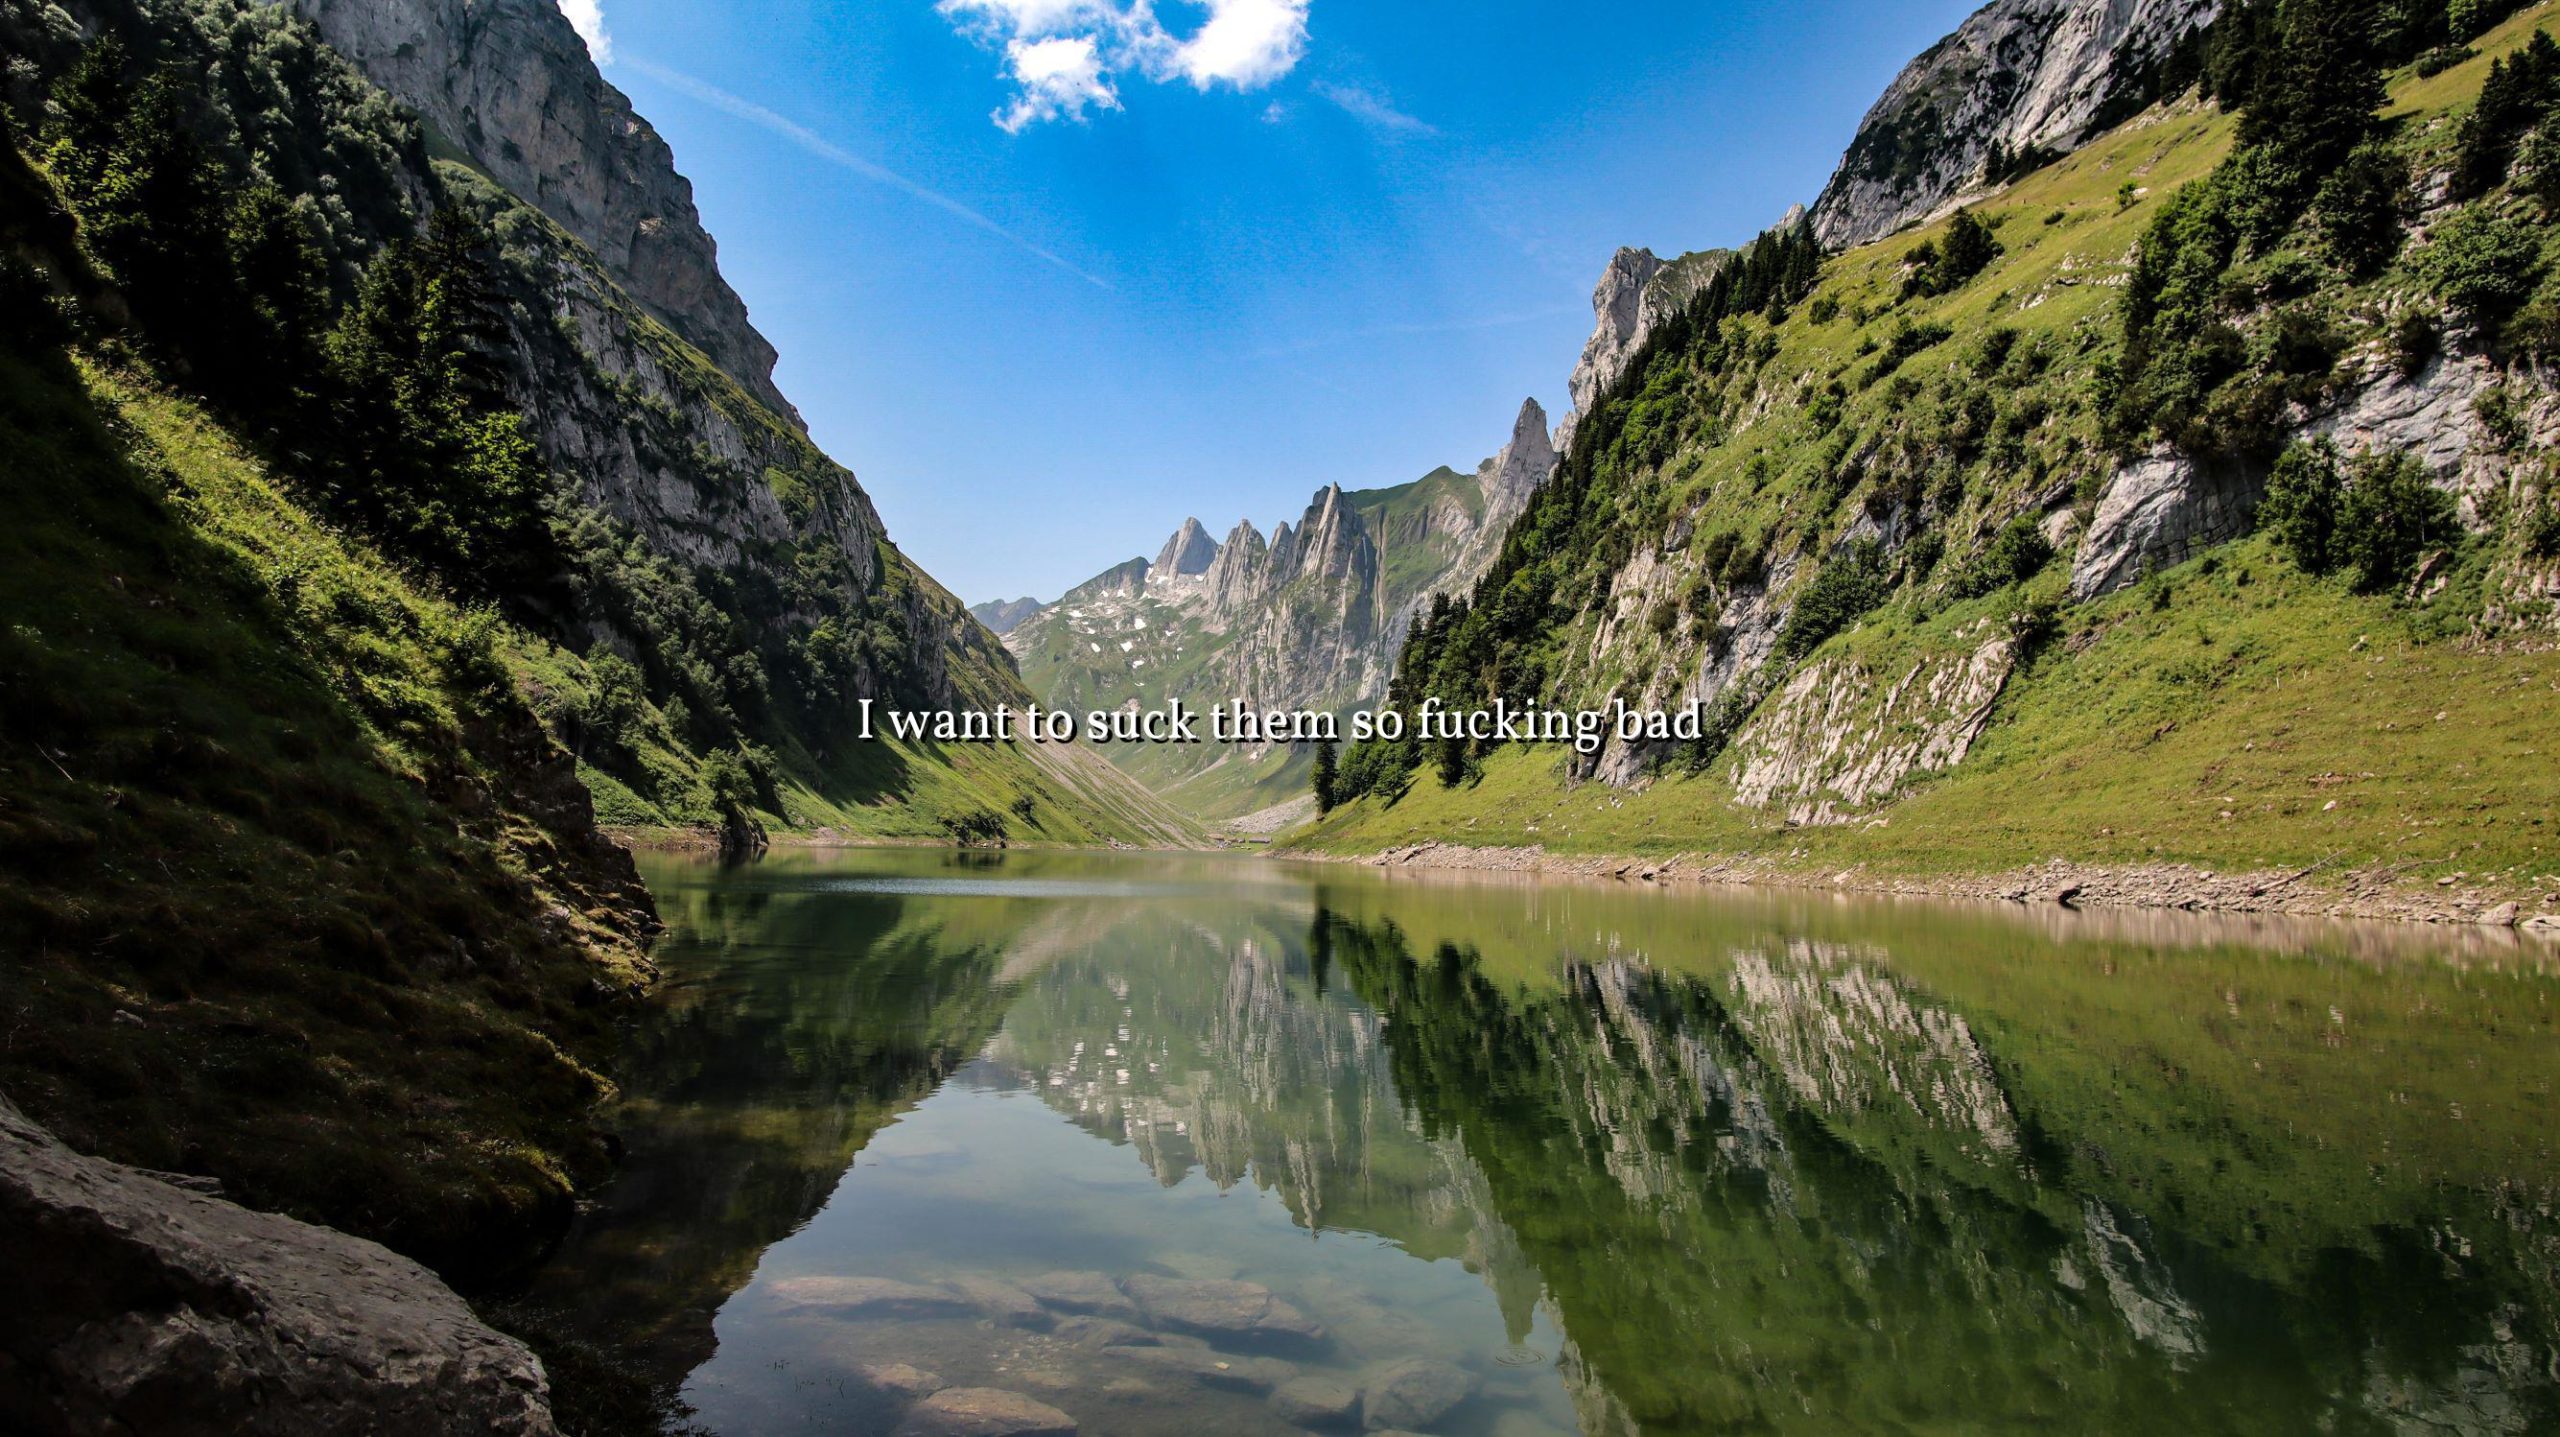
1627 1161
976 1182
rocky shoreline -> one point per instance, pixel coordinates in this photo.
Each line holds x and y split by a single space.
2376 892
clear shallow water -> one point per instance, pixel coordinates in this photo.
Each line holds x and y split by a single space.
1551 1159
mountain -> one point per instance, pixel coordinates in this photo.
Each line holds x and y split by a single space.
1636 293
511 85
2021 82
398 497
2171 502
1003 616
1309 617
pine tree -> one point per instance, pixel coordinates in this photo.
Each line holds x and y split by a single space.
1328 777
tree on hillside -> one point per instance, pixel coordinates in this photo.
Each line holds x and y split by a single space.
433 456
1328 775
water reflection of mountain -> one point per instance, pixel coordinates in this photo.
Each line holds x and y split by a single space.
1205 1042
1787 1165
1775 1187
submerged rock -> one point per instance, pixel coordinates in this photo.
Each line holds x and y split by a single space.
866 1297
1225 1310
1320 1403
902 1380
1256 1375
1100 1332
1413 1393
984 1412
1081 1292
141 1307
1002 1301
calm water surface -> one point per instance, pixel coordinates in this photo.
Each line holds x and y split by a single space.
1514 1159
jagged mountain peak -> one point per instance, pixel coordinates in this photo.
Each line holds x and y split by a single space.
1330 543
2017 79
1512 475
1637 291
1189 551
1310 617
1615 303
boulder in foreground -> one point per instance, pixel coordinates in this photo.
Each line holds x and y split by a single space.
140 1306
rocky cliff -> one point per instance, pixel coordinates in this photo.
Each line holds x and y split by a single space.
1635 294
509 83
639 375
2018 82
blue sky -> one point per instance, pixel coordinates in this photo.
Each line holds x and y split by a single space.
1050 275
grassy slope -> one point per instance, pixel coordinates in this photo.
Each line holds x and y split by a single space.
288 893
2213 729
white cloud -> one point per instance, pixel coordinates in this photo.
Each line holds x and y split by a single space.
1246 43
1063 55
1025 19
1060 76
1372 109
587 18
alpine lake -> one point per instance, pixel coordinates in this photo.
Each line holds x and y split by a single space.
945 1141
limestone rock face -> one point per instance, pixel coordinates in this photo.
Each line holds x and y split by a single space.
1636 293
1234 578
612 300
1617 305
1189 551
2163 509
512 84
2159 511
1839 740
1511 476
139 1306
2018 77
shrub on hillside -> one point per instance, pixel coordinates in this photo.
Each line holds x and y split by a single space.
2483 262
1908 339
2016 554
2300 511
1942 266
2391 515
2416 339
1849 585
975 827
2539 523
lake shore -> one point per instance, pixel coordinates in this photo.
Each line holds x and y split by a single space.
2377 892
2372 892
